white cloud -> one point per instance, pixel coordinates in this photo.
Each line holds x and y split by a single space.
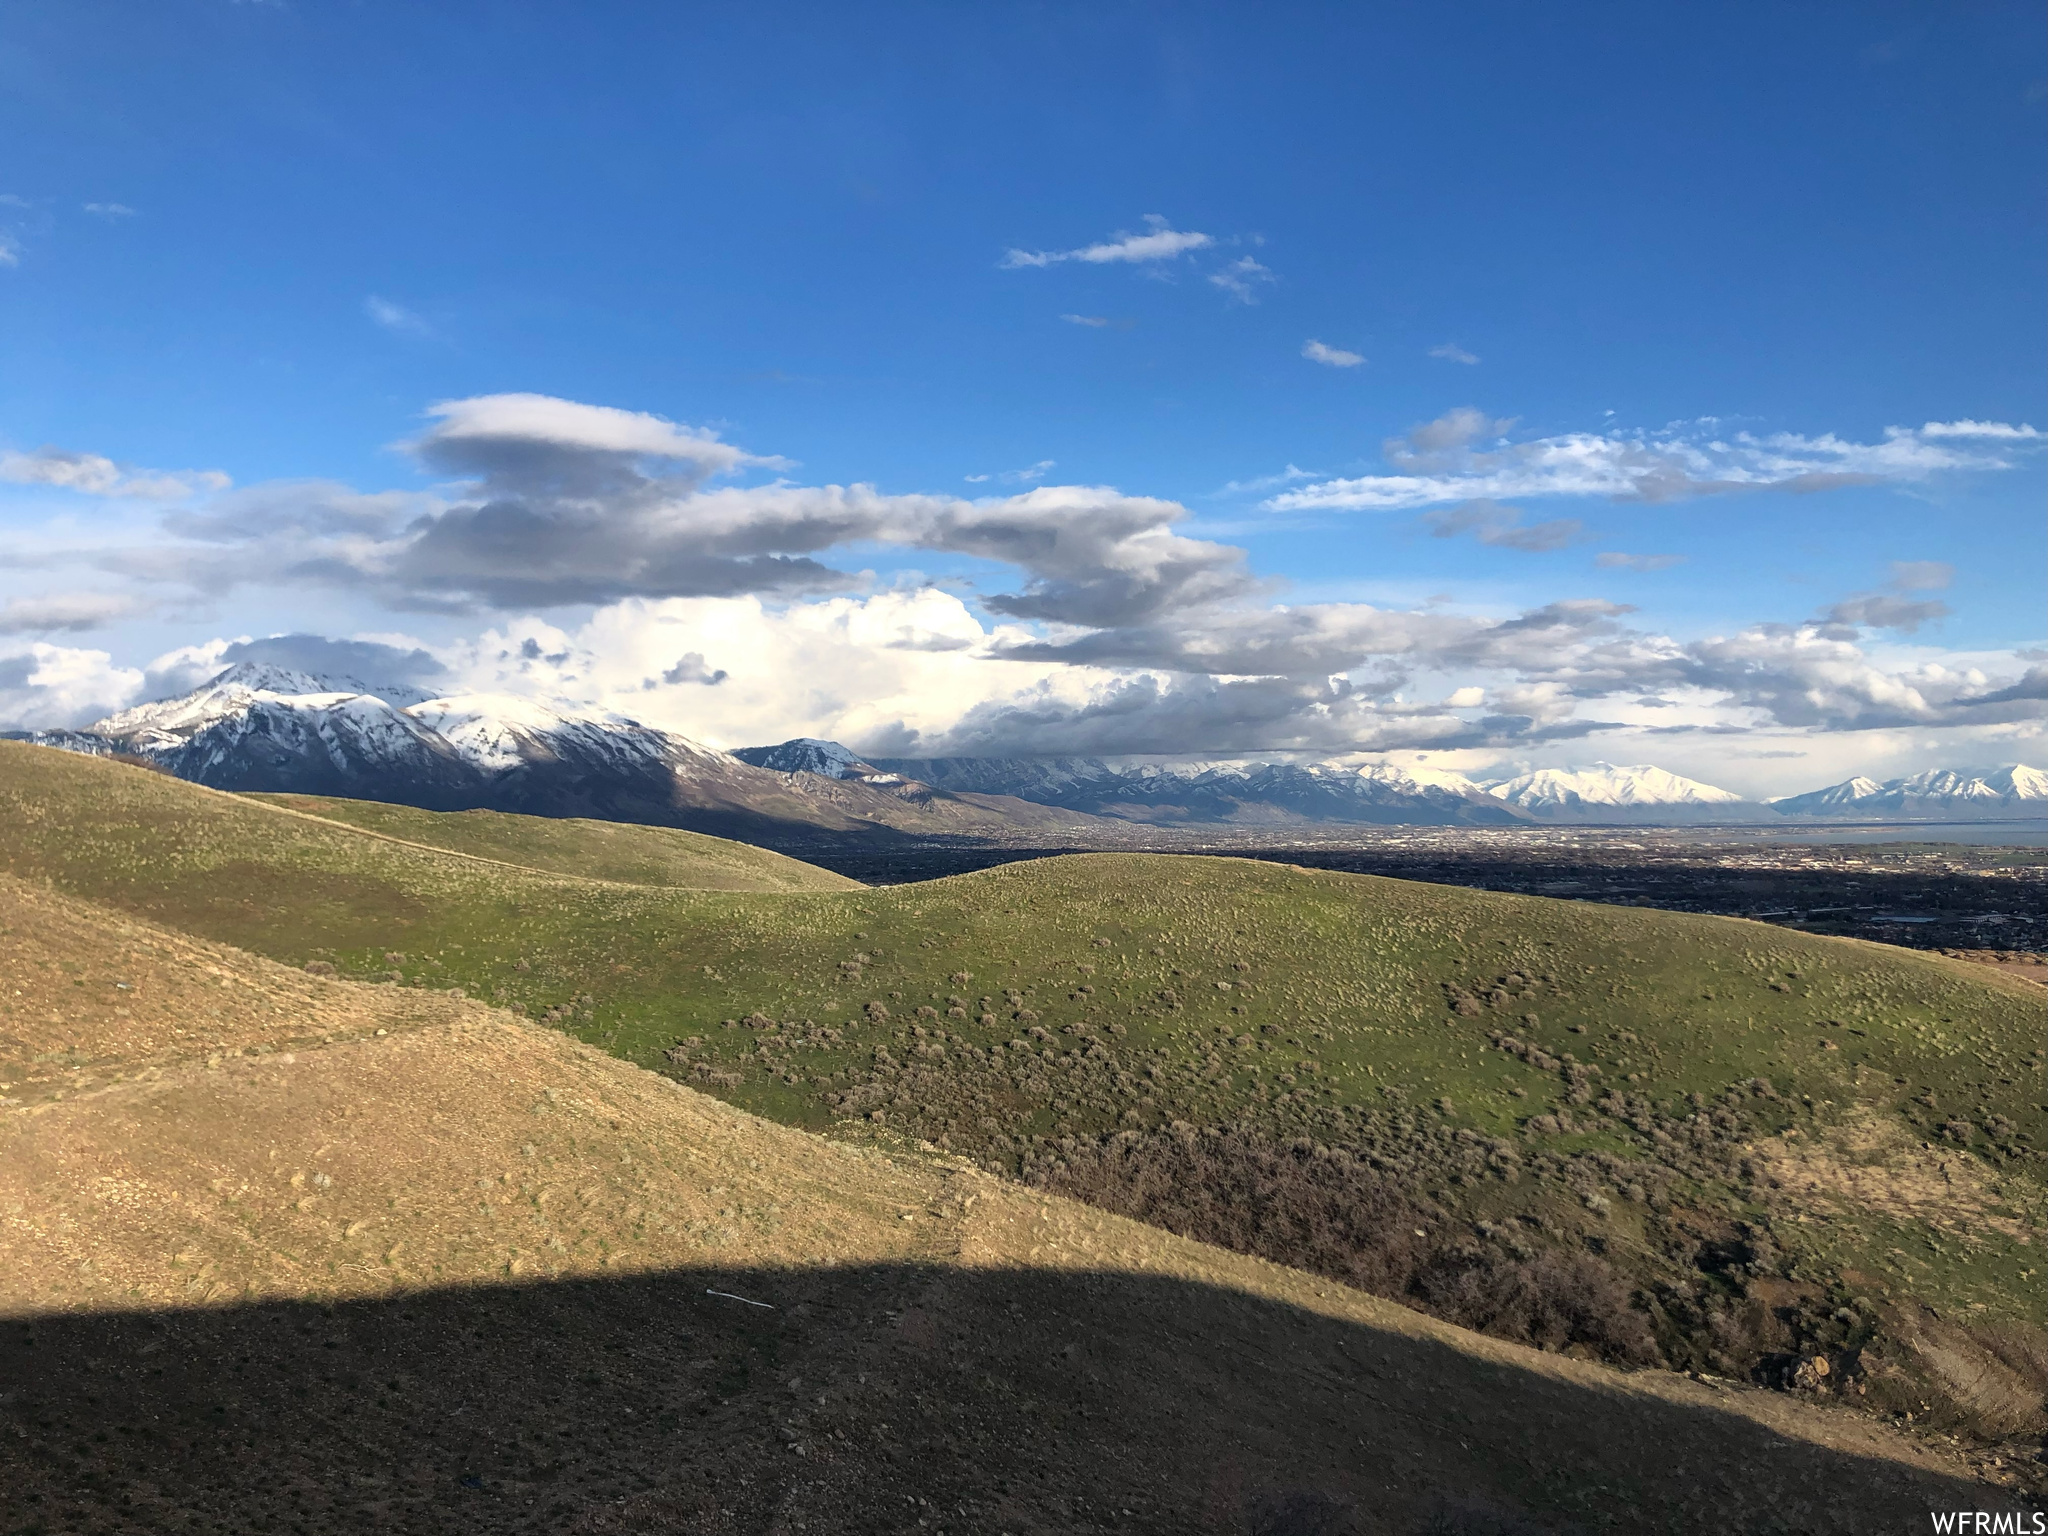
1159 242
395 317
887 668
1442 462
1094 321
54 685
1335 357
1451 352
1616 560
1981 429
93 474
1113 631
1286 476
10 251
109 210
1237 279
1029 475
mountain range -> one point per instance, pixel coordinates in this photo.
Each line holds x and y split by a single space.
260 727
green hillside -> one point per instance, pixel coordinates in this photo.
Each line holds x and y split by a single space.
596 850
1785 1147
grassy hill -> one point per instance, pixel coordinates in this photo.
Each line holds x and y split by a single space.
595 850
284 1252
1644 1136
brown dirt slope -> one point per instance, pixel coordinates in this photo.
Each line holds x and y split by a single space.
284 1271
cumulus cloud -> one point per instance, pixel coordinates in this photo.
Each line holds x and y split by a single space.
718 611
1819 678
1492 523
1159 241
1451 352
884 668
1445 461
1335 357
1237 279
54 686
109 211
93 474
1096 322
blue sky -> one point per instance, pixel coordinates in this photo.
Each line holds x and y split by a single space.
265 239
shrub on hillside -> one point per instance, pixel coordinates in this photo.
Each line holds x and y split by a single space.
1323 1209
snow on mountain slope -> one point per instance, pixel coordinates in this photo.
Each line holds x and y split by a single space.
1606 786
496 733
264 727
1414 779
2019 782
1239 790
1957 792
257 727
807 754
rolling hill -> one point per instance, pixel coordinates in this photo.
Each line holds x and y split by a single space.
1644 1136
282 1251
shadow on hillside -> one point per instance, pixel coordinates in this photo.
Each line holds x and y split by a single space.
887 1398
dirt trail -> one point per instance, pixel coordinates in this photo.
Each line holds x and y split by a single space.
458 1277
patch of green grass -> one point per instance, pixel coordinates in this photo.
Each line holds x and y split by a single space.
596 850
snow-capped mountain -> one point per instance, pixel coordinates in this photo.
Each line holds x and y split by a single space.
827 759
1244 791
1605 790
1938 794
261 727
265 728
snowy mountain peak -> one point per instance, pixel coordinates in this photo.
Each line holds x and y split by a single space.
1606 785
495 732
1938 791
2019 782
808 754
288 682
261 677
1414 779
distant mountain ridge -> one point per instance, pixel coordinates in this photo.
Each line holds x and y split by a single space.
1939 793
1606 792
1239 792
259 727
263 727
